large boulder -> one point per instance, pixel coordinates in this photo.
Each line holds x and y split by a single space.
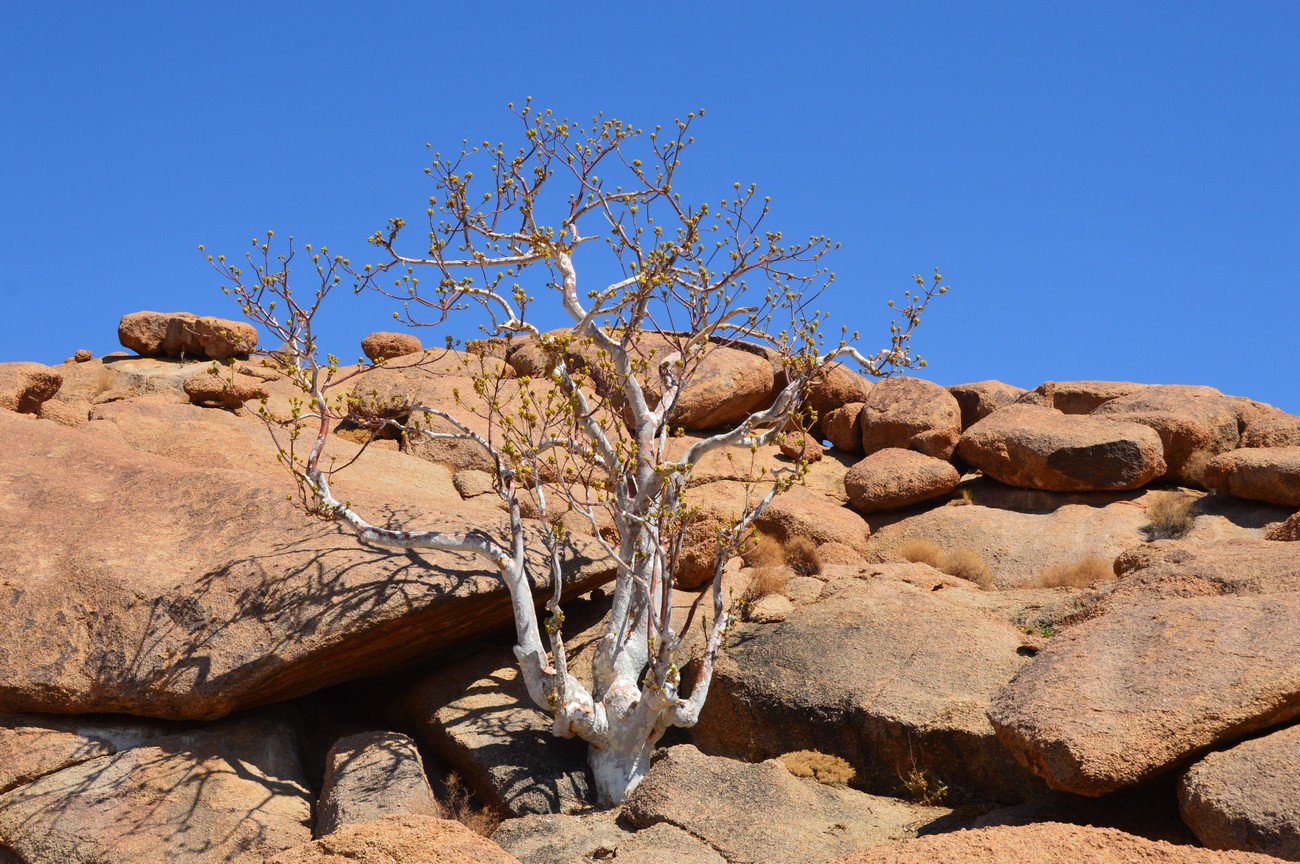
208 795
223 390
410 839
189 590
386 345
564 839
763 813
1269 474
801 513
832 388
912 414
371 775
1039 448
1194 424
892 677
892 478
843 427
1247 797
982 398
25 386
1272 430
1044 843
183 334
1077 397
1136 693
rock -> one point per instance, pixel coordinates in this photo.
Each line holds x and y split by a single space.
33 745
725 387
182 334
770 609
226 390
834 387
716 506
1288 530
206 795
1038 448
1194 424
1269 474
477 718
1044 843
801 513
1077 397
193 588
560 839
843 427
1273 430
763 813
912 414
1124 698
802 446
982 398
892 478
371 775
82 355
25 386
471 483
891 677
410 839
386 346
1238 566
1246 798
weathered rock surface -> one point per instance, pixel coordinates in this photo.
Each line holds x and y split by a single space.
888 676
387 346
1078 397
1118 700
1286 531
1269 474
835 387
912 414
33 745
188 591
1044 843
183 334
1194 423
892 478
762 813
598 836
1247 797
225 390
24 386
203 796
1038 448
843 427
478 719
801 513
408 839
1229 566
371 775
1272 430
982 398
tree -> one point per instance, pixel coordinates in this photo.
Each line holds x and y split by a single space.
592 434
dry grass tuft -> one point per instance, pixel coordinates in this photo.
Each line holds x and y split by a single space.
822 767
922 552
1081 574
801 555
763 582
1170 516
763 550
458 804
967 564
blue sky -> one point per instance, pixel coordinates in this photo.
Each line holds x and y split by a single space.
1112 188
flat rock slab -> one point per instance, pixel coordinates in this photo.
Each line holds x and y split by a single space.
763 813
1247 797
598 836
409 839
1227 566
33 745
1045 843
1121 699
1041 448
890 676
210 795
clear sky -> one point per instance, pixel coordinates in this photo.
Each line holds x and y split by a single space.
1112 188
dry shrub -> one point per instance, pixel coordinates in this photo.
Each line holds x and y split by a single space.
822 767
1170 516
967 564
922 552
925 788
801 555
1080 574
458 804
763 550
763 582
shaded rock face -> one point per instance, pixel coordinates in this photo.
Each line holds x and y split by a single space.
762 813
228 595
1194 423
1038 448
1247 797
844 676
208 795
371 775
911 414
835 388
1078 397
33 745
182 334
25 386
892 478
843 427
410 839
1044 843
1126 697
561 839
1269 474
982 398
